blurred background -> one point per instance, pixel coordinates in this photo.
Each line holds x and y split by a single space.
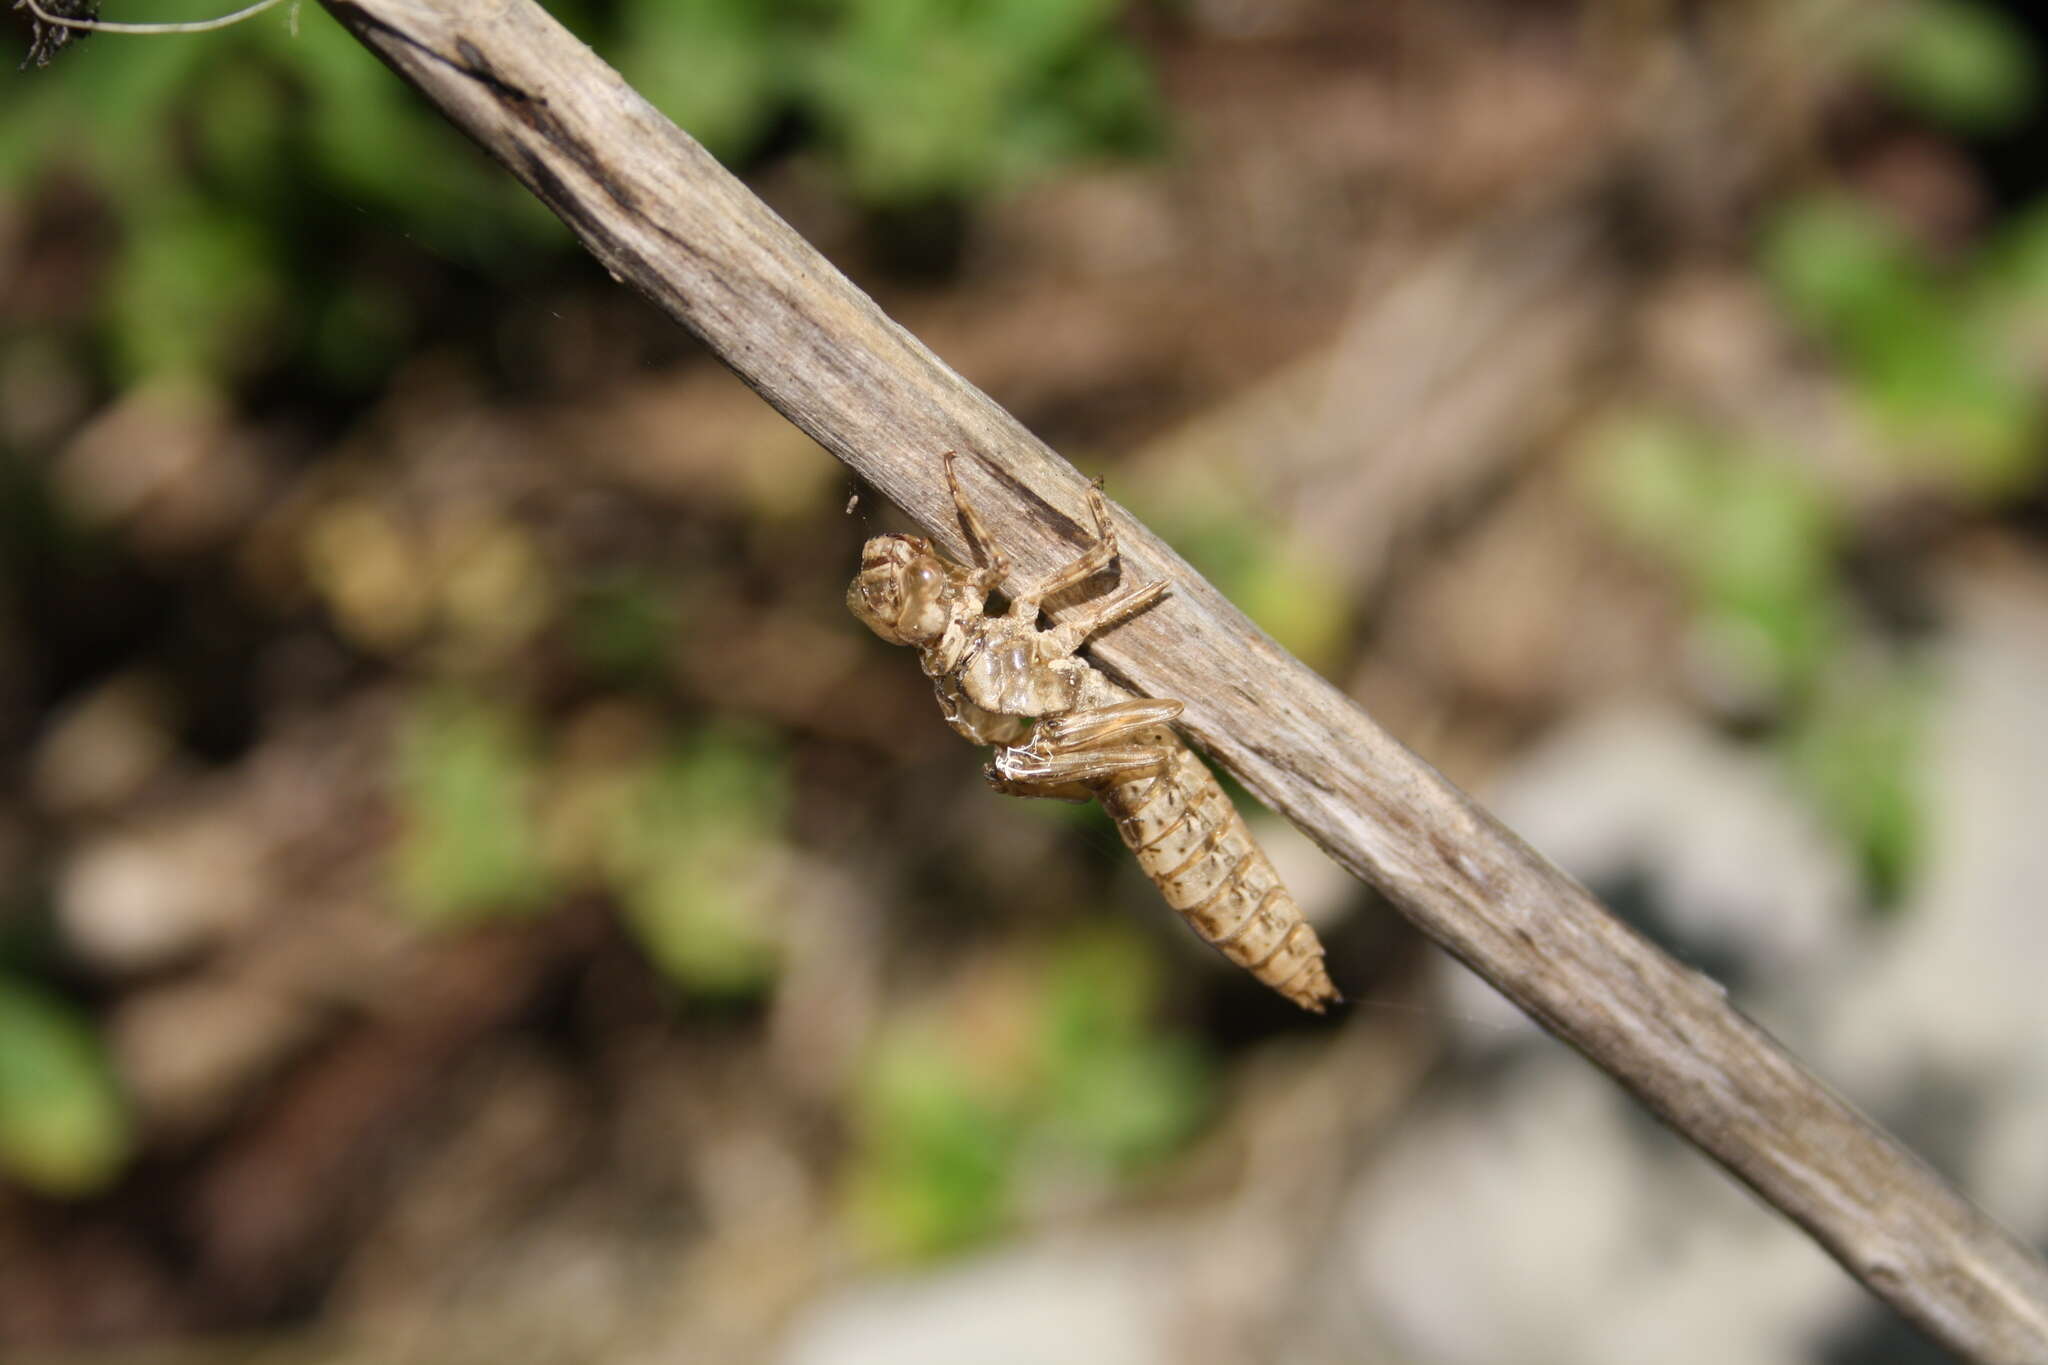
468 891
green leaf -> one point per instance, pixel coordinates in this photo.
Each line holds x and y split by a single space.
1964 63
1752 539
933 1171
467 847
368 142
931 99
700 865
104 115
717 67
1859 749
64 1129
1116 1091
1842 269
1923 357
195 291
1302 605
1060 1067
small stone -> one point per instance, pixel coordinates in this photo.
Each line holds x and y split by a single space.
143 898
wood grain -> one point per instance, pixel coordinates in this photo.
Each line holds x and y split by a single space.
663 216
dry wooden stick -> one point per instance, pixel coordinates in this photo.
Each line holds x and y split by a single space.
663 216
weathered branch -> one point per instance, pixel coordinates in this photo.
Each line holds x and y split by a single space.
663 216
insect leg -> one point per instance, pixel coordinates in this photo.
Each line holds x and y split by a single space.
1067 637
1025 771
993 565
1073 793
1090 562
1075 749
1104 722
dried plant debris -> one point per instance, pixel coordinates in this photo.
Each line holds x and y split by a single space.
46 39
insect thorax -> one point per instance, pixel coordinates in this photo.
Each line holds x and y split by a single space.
1004 671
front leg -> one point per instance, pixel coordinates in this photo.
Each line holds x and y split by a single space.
993 564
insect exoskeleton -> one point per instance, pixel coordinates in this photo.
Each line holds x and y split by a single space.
1064 731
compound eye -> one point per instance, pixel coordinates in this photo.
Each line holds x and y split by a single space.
923 584
903 601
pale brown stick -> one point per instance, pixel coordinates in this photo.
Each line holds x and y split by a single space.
662 215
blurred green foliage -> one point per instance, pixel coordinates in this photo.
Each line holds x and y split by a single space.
1931 356
937 1146
1751 538
1055 1076
719 68
1947 361
252 173
1115 1090
244 170
1757 546
468 844
1960 61
945 98
912 99
1201 512
1858 749
64 1128
698 860
687 836
621 626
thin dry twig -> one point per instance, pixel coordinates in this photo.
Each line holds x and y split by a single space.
94 25
662 215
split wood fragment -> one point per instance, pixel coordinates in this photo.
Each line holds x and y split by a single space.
663 216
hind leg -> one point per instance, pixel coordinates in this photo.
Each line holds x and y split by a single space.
1085 566
1076 728
1064 639
1068 756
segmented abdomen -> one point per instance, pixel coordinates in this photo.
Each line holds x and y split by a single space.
1194 845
